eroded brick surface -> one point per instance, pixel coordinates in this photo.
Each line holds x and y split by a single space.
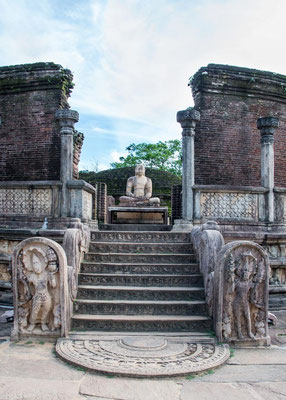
227 141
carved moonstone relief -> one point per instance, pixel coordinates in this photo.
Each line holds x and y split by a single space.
243 287
40 288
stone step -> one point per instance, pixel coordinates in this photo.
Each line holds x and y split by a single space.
135 307
140 280
140 323
135 227
154 248
145 258
193 337
124 268
145 237
140 293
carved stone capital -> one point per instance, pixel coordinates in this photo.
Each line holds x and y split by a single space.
67 119
267 126
188 118
267 139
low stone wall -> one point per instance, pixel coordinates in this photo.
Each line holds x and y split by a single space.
229 203
30 198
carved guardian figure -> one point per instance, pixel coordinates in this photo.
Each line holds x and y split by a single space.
39 267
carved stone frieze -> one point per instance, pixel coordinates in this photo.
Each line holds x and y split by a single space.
109 247
276 251
40 288
140 258
277 256
140 268
146 237
24 201
241 279
137 280
229 205
280 207
151 308
110 325
130 294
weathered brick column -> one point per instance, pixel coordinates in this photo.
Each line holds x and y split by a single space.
267 126
67 119
188 118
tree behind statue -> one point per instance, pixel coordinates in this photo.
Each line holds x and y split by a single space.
166 156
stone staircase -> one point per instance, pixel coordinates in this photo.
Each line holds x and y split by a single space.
143 282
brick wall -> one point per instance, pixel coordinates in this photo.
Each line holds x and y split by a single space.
30 94
227 142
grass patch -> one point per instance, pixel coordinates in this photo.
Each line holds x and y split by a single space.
29 342
42 342
231 350
199 374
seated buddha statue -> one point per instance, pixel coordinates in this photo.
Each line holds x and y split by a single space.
142 190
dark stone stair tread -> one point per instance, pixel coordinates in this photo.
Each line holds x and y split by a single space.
160 302
135 228
140 275
135 264
141 254
154 318
196 336
186 244
142 288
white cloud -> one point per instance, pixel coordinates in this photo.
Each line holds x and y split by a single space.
115 155
132 59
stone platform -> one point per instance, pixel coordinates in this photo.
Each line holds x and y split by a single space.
138 215
142 356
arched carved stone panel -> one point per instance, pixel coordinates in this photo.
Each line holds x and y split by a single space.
241 293
39 269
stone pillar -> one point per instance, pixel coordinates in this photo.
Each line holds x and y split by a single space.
188 118
66 119
267 126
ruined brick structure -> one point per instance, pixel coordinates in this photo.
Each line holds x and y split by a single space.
227 142
30 95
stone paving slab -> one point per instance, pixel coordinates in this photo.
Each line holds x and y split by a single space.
245 373
233 391
129 389
261 356
37 389
34 360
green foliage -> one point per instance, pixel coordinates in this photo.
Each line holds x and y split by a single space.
166 156
116 180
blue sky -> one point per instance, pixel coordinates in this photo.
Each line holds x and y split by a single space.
132 59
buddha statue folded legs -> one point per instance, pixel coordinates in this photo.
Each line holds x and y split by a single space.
142 190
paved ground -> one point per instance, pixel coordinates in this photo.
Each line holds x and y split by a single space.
31 371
